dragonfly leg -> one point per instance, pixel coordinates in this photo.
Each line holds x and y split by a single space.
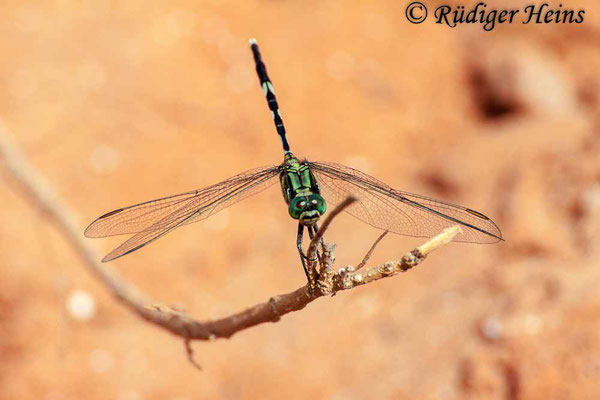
301 252
299 242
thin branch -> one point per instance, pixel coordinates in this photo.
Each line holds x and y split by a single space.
330 281
371 250
190 354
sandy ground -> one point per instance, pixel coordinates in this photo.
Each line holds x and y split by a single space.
120 102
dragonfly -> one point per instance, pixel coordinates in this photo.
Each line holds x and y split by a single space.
308 187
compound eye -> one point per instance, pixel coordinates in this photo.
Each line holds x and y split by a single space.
296 207
317 202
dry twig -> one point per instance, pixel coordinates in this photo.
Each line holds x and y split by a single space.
328 282
371 250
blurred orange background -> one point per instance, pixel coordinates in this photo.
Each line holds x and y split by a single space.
120 102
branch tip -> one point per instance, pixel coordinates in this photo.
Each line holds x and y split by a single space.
190 354
371 250
441 239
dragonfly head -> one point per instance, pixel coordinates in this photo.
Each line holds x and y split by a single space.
307 209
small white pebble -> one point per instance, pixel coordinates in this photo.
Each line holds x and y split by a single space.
342 271
81 305
492 329
212 337
350 268
357 278
100 360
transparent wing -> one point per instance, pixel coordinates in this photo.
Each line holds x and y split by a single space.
152 219
400 212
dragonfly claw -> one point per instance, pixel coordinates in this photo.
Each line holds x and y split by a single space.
304 256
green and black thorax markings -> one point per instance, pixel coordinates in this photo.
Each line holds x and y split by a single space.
301 191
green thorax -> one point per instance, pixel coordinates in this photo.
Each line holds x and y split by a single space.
301 190
296 178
